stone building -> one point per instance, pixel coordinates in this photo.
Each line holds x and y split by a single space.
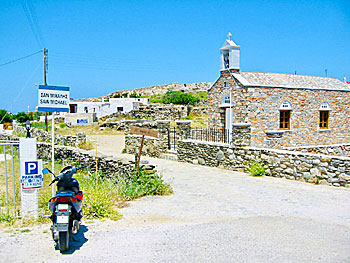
282 110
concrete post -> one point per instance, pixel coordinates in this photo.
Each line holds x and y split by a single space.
29 197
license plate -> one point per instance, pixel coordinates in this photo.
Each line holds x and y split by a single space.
62 207
62 219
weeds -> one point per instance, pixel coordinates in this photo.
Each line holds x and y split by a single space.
141 184
99 197
87 145
256 168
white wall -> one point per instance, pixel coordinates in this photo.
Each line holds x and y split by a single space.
106 108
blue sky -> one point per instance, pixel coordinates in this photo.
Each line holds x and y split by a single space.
97 47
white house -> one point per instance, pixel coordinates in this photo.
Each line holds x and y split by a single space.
101 109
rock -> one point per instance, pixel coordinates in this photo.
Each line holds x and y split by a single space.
323 182
289 171
315 172
333 180
307 175
283 166
195 161
201 161
229 151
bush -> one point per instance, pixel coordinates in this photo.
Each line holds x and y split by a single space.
178 97
99 197
5 116
141 184
256 169
156 100
21 117
62 125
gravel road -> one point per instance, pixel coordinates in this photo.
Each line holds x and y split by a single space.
214 215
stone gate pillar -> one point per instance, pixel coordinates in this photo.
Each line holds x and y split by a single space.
184 128
163 127
241 134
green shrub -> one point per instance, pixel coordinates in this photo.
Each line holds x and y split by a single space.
7 219
62 125
141 184
178 97
256 169
21 117
100 197
156 100
5 116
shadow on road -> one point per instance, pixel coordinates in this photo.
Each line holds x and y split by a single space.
77 240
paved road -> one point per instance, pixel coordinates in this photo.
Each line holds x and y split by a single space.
214 215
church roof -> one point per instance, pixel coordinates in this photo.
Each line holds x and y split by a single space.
247 78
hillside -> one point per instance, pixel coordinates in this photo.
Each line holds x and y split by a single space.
157 89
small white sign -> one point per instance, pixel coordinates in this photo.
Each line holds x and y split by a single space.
31 174
53 98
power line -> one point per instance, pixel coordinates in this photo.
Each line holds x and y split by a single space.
32 21
17 59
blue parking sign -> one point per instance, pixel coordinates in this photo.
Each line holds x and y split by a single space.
31 168
31 174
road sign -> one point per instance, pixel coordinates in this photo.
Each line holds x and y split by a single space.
53 98
31 175
143 131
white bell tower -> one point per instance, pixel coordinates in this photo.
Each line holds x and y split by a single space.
229 55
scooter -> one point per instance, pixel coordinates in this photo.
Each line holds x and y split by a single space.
65 206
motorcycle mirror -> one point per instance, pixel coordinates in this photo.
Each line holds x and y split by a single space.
46 171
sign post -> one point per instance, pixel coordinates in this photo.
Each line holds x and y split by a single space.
53 99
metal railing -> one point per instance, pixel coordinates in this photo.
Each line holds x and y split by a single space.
210 135
8 146
172 138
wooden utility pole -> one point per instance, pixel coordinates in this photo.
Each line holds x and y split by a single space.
45 83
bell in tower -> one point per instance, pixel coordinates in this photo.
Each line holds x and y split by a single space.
229 54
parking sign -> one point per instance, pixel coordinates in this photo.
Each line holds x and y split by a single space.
31 174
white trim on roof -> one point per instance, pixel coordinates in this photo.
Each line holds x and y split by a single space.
241 79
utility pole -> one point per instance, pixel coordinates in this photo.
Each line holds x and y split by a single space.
45 83
45 65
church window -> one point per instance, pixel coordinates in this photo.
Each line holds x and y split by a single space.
324 115
285 114
285 119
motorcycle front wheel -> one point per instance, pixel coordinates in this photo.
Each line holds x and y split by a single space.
63 240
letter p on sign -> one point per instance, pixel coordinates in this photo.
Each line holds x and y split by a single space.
31 168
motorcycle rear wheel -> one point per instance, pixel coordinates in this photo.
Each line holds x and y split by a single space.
63 241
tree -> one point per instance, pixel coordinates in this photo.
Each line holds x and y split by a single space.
5 116
22 117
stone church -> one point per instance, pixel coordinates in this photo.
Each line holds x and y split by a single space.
281 110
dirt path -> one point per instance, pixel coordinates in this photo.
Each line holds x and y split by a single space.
214 215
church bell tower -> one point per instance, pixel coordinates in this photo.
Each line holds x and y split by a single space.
229 54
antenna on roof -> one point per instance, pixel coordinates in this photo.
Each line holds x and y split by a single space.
295 72
229 35
326 72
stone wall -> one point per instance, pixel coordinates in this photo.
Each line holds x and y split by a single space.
259 106
335 150
41 135
313 168
153 147
109 166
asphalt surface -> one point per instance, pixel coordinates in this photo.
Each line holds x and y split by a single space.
214 215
